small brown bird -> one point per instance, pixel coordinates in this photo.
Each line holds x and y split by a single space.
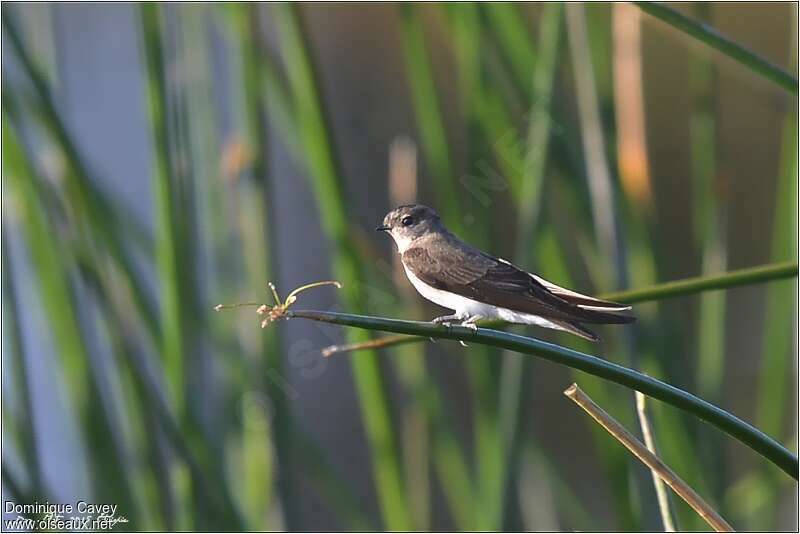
475 285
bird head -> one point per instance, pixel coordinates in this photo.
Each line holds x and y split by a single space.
409 222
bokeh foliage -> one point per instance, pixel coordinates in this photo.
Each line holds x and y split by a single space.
184 417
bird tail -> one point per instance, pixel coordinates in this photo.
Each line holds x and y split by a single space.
590 309
595 316
577 329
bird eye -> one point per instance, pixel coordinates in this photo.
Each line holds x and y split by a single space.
407 221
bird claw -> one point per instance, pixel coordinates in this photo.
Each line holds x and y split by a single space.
444 321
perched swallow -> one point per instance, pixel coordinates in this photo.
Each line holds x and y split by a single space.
475 285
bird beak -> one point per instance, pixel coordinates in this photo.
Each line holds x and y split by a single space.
382 228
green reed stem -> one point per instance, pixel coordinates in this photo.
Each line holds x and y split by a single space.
719 42
27 441
315 138
732 425
52 271
165 206
428 115
689 286
255 70
89 202
780 314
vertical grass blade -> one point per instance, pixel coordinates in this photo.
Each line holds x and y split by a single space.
27 441
482 365
409 360
209 486
710 216
610 260
507 24
175 250
553 265
427 112
528 202
597 168
781 311
255 69
539 127
649 441
52 271
316 140
447 455
165 207
53 281
89 202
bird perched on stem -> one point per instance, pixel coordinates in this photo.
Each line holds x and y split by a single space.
476 285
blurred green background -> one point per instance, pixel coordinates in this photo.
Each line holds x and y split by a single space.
160 159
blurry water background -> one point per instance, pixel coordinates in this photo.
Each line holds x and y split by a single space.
160 159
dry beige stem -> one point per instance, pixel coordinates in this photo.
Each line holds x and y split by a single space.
648 458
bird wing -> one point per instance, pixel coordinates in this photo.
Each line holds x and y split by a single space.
583 301
463 270
478 276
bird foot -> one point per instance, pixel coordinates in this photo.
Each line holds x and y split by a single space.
446 320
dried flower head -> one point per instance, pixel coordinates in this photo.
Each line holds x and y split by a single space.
278 310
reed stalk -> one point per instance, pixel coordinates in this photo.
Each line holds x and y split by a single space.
314 133
733 426
647 457
714 39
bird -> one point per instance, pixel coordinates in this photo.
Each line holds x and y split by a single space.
476 285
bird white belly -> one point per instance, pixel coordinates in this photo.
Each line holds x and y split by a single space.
457 303
466 308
